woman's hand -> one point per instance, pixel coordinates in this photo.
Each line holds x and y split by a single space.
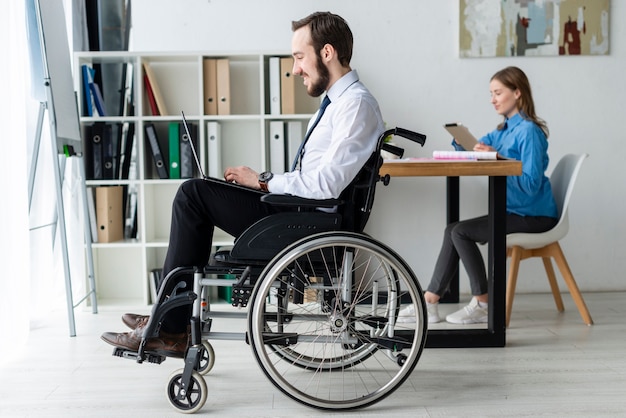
242 175
480 147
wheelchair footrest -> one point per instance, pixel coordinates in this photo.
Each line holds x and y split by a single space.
133 355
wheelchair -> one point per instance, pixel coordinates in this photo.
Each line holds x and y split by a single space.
322 301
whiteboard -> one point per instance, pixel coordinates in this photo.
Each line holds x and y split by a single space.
52 62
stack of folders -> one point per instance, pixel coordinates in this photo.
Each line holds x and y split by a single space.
216 84
108 150
172 153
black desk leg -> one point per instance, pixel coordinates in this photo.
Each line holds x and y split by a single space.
496 275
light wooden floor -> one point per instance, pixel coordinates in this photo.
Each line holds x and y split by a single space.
553 365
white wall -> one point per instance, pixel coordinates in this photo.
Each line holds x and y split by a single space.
406 52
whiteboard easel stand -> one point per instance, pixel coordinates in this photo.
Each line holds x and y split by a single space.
58 163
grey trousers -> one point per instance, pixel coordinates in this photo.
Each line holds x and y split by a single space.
460 241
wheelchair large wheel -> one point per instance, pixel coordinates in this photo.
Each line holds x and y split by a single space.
323 321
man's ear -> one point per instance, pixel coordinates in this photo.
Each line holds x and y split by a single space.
327 53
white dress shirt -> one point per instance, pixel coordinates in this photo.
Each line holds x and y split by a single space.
339 146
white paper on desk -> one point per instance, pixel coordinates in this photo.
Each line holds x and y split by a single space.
465 155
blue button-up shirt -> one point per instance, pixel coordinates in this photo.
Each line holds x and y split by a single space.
529 194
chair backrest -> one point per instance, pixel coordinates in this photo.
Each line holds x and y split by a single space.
359 195
562 180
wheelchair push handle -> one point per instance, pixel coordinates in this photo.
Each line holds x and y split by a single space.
405 133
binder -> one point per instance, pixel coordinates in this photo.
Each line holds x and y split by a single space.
287 86
97 98
294 139
91 208
214 132
155 148
95 134
108 152
158 97
209 76
87 73
154 281
223 86
277 147
130 213
154 109
174 147
128 136
117 139
275 75
109 213
187 160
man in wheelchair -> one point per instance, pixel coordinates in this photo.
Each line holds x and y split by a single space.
341 138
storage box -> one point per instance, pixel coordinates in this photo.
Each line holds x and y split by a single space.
109 213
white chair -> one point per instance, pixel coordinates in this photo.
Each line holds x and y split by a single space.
546 244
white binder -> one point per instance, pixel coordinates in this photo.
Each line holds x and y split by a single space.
277 146
274 78
214 135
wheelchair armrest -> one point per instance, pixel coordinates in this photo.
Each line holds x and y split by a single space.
277 199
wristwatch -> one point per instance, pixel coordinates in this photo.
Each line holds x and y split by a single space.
264 177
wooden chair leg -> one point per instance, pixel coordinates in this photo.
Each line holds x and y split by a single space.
561 262
556 292
516 256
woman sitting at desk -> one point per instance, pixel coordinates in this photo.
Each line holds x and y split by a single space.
530 204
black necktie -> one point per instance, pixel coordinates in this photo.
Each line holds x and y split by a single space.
300 152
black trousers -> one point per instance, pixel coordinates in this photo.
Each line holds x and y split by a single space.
199 206
460 241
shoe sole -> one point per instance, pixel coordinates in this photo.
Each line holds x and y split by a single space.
468 322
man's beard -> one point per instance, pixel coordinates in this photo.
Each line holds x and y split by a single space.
316 89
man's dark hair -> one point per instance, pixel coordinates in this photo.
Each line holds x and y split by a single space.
328 28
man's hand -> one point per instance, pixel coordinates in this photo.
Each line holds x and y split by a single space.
242 175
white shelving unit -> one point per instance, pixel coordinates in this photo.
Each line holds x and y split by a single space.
122 268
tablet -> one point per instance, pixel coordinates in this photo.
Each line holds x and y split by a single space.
462 135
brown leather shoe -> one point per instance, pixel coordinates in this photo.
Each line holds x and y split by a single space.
172 345
134 321
167 346
127 340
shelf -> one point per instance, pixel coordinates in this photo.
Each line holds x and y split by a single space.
181 79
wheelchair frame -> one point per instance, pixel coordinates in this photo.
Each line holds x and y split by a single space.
323 301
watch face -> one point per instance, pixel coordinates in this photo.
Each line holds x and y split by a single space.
266 176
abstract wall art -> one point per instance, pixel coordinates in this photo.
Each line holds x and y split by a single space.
506 28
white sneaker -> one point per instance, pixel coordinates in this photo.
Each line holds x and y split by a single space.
471 314
433 312
407 314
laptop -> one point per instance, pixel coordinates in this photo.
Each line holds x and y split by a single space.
197 160
462 135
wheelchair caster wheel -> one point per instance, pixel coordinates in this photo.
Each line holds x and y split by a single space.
193 397
207 358
401 359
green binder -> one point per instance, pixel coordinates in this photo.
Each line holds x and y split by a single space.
174 151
